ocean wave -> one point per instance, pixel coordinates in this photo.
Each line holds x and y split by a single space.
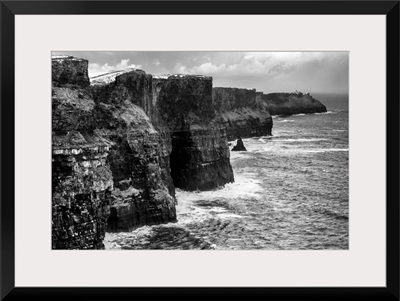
322 150
245 185
328 112
301 139
333 214
229 215
285 120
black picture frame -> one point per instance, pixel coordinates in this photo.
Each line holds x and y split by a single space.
11 8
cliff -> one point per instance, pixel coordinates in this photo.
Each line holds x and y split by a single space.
105 164
292 103
242 111
192 148
200 151
81 177
69 71
122 144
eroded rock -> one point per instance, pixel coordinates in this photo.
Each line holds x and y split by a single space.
69 71
292 103
239 146
81 189
243 113
200 151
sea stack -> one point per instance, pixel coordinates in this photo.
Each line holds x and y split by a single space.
239 146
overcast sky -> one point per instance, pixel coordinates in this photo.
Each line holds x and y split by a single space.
319 72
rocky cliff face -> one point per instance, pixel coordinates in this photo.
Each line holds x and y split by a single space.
122 144
106 159
143 193
242 111
200 151
81 177
82 185
192 150
291 103
69 71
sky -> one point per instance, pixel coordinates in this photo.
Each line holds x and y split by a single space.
314 72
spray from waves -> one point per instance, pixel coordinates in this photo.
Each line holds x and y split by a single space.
301 150
323 113
323 150
203 215
285 120
246 185
301 140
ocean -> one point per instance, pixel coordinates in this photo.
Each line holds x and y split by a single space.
291 192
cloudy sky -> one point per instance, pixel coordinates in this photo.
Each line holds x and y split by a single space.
319 72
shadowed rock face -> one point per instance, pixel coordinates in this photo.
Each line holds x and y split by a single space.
242 111
292 103
81 177
106 157
200 152
140 196
192 148
135 87
144 193
81 187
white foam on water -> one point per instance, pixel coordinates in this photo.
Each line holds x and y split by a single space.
328 112
245 185
229 215
115 241
301 140
285 120
218 209
239 155
322 150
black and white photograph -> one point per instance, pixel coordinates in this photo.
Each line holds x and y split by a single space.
200 150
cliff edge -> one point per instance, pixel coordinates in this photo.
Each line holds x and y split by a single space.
292 103
243 112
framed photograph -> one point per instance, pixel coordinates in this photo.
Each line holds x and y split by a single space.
200 150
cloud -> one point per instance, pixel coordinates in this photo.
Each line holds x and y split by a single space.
320 71
284 71
97 69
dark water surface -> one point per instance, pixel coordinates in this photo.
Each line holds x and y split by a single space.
291 192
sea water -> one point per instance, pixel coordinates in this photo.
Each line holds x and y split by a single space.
291 192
